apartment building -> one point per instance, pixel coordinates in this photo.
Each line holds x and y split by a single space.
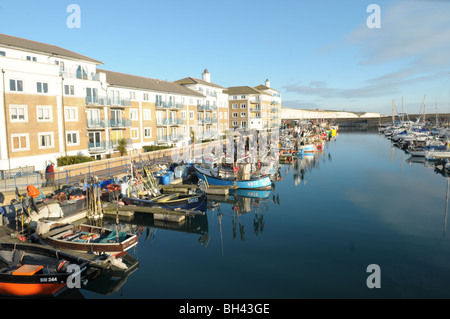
42 102
57 102
212 113
254 107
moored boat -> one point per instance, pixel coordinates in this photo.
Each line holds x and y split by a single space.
245 181
170 201
36 270
90 239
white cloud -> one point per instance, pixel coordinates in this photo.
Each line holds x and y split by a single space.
413 42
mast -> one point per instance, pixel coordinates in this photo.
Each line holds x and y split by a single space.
435 102
424 106
393 117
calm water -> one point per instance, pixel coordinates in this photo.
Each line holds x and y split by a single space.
357 203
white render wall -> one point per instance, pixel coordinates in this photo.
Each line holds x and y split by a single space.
296 114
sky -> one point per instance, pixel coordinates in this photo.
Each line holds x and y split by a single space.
319 54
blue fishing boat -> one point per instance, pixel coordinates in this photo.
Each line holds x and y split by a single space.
215 176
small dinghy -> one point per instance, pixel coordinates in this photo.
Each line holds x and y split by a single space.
86 238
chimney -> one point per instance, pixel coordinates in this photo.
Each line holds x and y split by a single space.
206 76
268 83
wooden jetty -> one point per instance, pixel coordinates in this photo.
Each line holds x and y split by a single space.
176 215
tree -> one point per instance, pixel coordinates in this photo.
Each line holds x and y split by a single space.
122 146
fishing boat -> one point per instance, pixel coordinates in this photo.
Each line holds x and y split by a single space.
89 239
240 178
169 201
36 270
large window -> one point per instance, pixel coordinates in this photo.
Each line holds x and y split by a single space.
18 113
72 138
69 90
16 85
46 140
42 87
19 142
71 113
44 113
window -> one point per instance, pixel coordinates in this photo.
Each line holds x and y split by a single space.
183 114
134 133
132 95
147 114
221 115
147 132
243 97
45 140
19 142
158 100
235 123
235 114
18 113
69 90
72 138
225 115
134 114
31 58
145 96
234 97
243 114
234 106
42 87
244 123
71 113
191 115
91 95
44 113
16 85
2 53
243 106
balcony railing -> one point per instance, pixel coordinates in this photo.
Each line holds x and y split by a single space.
169 105
105 145
103 100
96 123
96 100
78 74
161 138
119 123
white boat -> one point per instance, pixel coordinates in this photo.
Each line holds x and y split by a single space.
436 155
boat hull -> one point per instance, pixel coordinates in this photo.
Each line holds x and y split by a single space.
260 183
57 238
38 273
188 202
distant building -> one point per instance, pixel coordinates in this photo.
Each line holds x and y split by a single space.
254 107
212 111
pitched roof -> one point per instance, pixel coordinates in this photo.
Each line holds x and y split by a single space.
263 87
8 40
191 80
243 90
140 82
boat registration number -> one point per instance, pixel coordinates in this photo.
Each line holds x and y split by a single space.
193 200
49 279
